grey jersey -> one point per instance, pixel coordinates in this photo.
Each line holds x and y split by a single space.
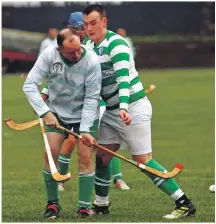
74 89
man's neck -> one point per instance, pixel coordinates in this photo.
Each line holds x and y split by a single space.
103 35
51 38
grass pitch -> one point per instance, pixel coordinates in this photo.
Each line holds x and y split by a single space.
182 132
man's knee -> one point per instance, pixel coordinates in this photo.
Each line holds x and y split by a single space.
86 160
55 155
142 158
103 158
46 160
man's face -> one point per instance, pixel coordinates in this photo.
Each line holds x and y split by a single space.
94 25
53 33
121 32
80 32
71 49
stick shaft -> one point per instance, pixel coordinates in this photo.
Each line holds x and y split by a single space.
56 175
139 165
48 150
98 146
59 177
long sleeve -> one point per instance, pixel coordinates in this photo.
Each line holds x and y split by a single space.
120 56
31 86
92 96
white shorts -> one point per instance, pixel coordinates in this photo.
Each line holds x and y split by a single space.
137 135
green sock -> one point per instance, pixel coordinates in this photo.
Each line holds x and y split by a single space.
111 166
86 187
102 179
169 186
51 187
64 162
116 168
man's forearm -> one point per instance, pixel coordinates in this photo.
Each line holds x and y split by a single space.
32 92
89 113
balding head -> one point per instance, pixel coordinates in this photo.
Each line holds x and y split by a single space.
66 37
69 44
65 32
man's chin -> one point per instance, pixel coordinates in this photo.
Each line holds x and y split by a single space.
92 37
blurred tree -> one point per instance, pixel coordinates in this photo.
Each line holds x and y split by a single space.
208 19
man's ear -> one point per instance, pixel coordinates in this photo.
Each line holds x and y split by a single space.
105 21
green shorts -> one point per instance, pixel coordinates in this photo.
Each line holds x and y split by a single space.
75 126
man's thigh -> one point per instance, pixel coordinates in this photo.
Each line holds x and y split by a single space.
108 135
138 137
55 142
110 128
140 111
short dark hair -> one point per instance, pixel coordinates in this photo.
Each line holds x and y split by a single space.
60 39
62 36
95 7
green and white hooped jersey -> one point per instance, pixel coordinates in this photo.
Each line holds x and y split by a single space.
120 81
74 88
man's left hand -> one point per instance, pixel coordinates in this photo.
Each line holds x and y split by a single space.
88 139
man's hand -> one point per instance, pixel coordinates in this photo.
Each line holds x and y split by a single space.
125 116
50 120
87 139
44 97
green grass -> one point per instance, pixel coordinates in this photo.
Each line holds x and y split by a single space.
182 131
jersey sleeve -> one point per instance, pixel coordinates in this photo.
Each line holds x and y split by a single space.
35 78
120 57
92 95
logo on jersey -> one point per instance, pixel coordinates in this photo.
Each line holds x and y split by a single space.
57 67
100 51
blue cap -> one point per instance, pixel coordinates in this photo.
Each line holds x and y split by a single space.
76 20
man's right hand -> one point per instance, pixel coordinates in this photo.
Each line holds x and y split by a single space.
50 120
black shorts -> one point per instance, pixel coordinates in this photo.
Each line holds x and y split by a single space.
75 126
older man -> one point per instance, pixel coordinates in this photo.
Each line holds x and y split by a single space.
73 75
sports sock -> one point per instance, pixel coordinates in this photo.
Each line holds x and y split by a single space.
64 162
86 187
102 180
169 186
116 168
51 187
